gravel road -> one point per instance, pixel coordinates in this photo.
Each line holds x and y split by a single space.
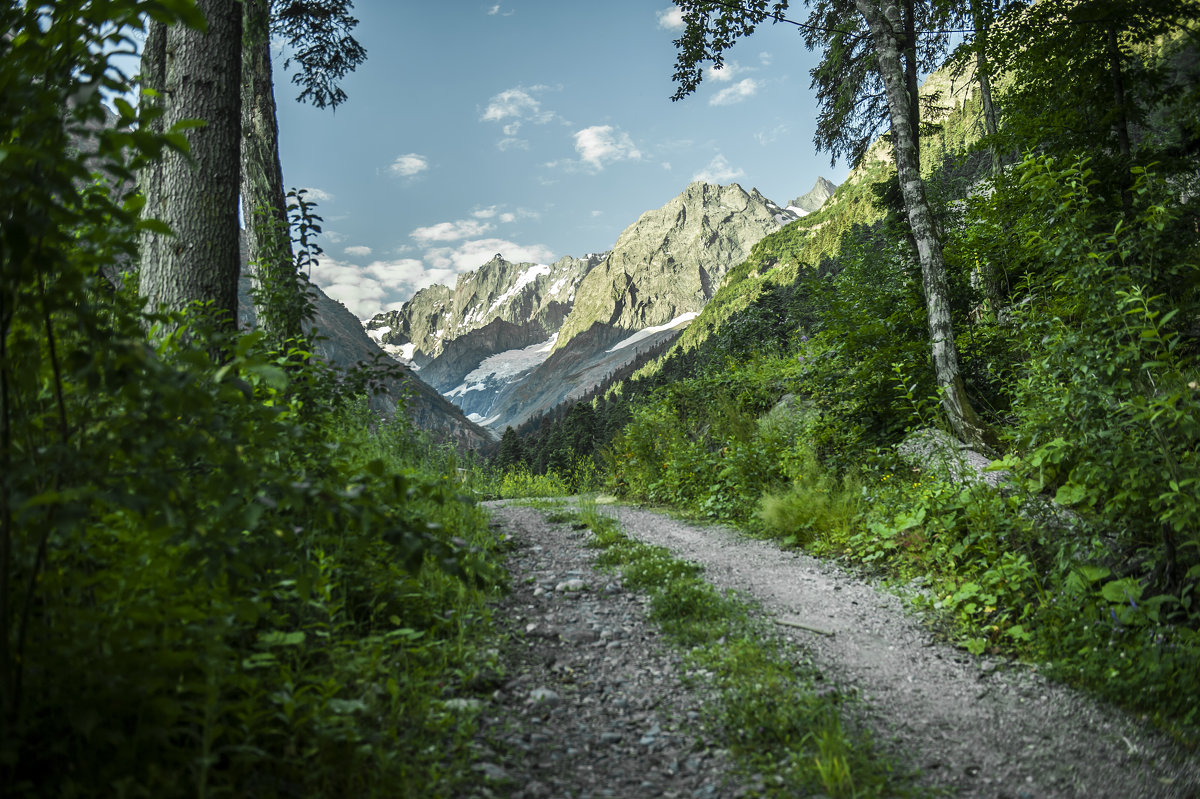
620 722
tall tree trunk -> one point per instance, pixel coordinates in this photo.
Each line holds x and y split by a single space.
264 204
982 17
197 194
153 78
983 73
1121 117
883 19
911 83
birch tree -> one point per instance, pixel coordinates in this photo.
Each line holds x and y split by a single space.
886 26
713 27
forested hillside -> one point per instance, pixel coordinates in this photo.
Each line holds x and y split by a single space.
1054 185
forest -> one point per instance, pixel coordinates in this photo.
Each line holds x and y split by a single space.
220 574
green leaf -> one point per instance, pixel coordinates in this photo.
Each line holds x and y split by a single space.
344 707
1093 573
280 638
1070 493
1126 590
155 226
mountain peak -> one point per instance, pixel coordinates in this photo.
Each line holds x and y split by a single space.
670 261
821 191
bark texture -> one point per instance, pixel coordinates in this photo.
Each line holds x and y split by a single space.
887 27
197 194
153 77
264 204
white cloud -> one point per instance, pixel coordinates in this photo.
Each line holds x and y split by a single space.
349 284
357 249
735 93
511 143
670 18
407 165
516 106
475 253
496 10
718 171
319 195
506 217
765 137
450 231
382 285
332 236
727 72
602 144
386 284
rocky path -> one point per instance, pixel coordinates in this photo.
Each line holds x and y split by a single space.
595 705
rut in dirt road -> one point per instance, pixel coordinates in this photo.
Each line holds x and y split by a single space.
593 704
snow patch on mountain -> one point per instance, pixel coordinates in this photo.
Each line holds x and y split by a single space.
504 366
678 321
531 274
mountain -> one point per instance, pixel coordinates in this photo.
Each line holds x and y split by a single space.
343 343
670 261
513 305
815 198
513 340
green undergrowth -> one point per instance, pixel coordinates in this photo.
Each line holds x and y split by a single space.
1012 574
771 710
518 481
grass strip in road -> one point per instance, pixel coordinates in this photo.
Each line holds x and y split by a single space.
778 718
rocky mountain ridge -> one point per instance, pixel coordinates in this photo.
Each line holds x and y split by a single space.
814 198
512 340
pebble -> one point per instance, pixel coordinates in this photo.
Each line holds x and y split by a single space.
544 696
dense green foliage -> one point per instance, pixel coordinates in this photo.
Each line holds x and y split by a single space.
218 573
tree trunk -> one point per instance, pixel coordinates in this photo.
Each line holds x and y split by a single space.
883 19
1121 118
153 78
264 204
911 83
197 194
983 72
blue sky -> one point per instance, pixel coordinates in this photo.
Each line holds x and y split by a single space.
531 128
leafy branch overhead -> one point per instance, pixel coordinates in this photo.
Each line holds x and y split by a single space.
318 35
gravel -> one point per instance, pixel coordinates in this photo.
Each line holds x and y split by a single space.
595 705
